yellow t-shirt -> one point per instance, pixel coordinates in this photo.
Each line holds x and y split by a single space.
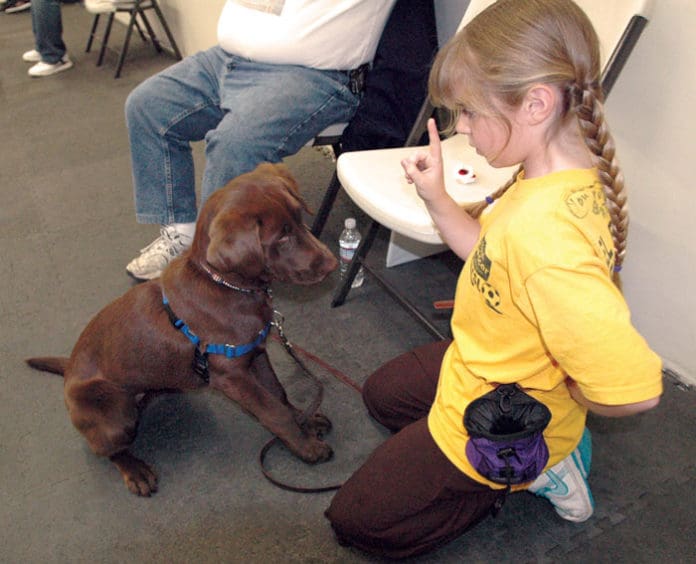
534 303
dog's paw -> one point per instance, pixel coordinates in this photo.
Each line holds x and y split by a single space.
316 451
144 483
318 425
139 478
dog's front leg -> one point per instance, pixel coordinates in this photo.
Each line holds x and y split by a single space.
315 423
274 415
266 376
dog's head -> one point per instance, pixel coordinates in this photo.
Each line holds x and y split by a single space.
253 228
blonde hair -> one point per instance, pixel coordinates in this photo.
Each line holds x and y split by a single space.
514 44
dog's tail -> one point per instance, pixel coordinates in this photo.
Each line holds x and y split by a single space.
54 364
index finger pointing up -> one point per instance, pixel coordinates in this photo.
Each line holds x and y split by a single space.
434 140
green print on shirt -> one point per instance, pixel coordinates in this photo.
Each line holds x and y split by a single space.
589 199
607 252
480 272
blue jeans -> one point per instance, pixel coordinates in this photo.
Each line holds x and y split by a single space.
247 112
47 25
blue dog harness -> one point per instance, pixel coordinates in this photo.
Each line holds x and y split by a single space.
200 361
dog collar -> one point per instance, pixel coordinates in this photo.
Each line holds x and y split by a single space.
200 362
215 277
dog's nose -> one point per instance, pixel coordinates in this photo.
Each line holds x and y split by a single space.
331 263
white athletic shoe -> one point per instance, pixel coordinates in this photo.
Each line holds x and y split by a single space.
47 69
32 56
158 254
565 484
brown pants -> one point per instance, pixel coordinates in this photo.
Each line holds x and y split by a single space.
407 498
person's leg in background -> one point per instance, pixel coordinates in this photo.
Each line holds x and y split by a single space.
271 112
50 53
164 114
261 113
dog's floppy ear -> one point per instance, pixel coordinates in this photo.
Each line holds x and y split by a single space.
283 174
235 246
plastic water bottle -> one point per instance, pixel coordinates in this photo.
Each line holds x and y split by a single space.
347 243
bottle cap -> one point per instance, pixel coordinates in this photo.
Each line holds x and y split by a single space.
349 223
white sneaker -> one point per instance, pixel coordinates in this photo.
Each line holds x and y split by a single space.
47 69
32 56
158 254
18 6
565 484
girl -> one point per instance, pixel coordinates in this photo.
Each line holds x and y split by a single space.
535 304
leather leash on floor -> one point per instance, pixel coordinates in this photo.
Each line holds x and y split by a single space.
310 410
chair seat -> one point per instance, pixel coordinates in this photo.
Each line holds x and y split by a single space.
106 6
396 205
329 135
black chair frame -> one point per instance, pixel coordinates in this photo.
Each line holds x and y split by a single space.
135 10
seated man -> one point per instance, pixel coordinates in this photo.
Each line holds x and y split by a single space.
283 71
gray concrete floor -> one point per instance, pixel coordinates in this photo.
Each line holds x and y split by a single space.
67 230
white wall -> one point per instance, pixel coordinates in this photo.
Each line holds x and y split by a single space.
652 113
192 22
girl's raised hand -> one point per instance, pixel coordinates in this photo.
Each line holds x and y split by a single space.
424 167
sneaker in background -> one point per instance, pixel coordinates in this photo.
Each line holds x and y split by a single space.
565 484
32 56
14 6
47 69
158 254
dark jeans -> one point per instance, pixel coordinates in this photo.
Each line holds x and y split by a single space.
407 498
47 25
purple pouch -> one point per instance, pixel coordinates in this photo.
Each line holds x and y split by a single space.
506 443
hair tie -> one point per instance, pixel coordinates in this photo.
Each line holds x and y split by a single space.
617 268
490 200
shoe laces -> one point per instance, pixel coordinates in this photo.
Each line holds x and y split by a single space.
170 242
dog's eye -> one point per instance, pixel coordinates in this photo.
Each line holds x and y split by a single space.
285 233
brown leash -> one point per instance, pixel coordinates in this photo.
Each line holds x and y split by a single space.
310 410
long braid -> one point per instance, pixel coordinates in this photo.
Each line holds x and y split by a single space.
590 114
476 209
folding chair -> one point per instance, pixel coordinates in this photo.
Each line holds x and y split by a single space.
375 182
394 88
136 9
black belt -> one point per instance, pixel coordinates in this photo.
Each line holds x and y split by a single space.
357 78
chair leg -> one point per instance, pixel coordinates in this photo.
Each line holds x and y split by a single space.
329 198
150 32
360 253
326 204
140 31
105 39
167 31
126 42
92 33
405 303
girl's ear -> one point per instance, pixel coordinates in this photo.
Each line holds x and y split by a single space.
540 103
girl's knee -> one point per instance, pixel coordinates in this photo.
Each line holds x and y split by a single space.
371 393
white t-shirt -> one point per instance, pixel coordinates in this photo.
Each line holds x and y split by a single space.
322 34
